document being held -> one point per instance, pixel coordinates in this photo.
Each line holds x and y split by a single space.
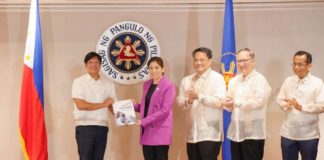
124 113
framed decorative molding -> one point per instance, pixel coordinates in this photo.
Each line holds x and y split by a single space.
96 2
155 5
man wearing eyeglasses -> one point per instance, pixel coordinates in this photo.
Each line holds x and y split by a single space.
301 97
247 98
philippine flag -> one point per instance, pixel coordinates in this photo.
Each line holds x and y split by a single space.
32 128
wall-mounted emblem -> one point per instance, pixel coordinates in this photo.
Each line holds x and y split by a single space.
125 49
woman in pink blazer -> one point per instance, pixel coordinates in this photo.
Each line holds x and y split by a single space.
156 112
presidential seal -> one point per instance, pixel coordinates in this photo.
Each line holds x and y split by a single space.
125 49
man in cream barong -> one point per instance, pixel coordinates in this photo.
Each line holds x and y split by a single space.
247 99
301 97
200 97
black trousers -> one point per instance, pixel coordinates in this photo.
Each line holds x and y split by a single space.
91 142
206 150
247 150
156 152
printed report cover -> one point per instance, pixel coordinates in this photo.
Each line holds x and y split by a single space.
124 113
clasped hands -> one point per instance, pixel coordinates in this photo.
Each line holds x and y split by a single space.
228 103
192 95
292 102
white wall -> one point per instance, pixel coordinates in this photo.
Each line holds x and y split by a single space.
275 30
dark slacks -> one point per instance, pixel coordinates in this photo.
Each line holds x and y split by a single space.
247 150
206 150
91 142
155 152
291 148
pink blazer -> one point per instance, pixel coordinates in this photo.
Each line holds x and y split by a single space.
158 122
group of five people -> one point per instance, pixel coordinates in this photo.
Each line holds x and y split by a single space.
203 96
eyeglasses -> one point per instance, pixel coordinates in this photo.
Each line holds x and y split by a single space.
299 64
243 61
